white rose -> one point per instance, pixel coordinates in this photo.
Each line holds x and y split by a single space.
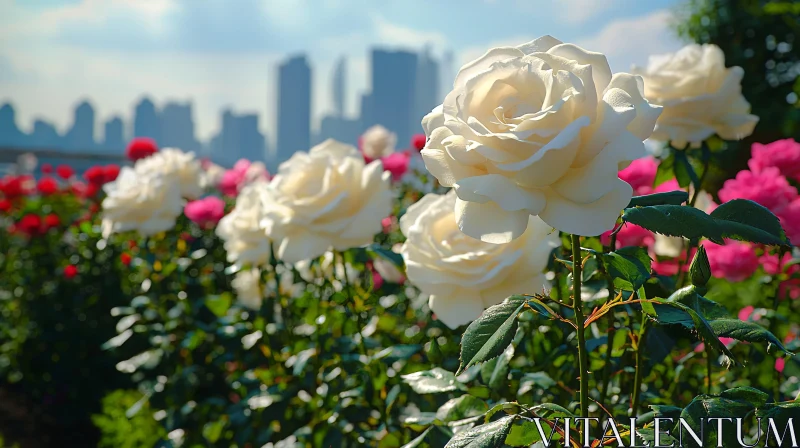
247 284
241 229
326 198
174 163
539 129
699 95
148 203
377 142
211 175
464 275
388 270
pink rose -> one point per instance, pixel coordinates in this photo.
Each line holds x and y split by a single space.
670 185
734 261
397 164
790 221
746 312
669 266
640 174
243 173
630 235
206 212
767 188
781 154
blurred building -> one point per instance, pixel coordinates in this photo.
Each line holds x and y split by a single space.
339 87
427 91
177 127
145 120
114 135
45 135
447 74
294 108
238 138
392 102
80 136
10 134
337 126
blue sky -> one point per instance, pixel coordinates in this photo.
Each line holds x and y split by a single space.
221 53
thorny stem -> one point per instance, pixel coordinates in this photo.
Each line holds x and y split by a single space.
637 380
583 362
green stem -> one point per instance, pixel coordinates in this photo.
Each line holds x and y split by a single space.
637 380
709 357
351 306
583 362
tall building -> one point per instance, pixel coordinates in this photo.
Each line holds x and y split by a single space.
145 120
339 128
448 74
113 135
365 118
427 90
177 127
80 136
10 134
393 94
339 85
294 108
45 135
238 138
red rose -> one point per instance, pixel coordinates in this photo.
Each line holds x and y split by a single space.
5 205
141 147
47 168
418 141
47 186
30 224
125 258
51 220
65 171
95 175
111 172
70 271
15 186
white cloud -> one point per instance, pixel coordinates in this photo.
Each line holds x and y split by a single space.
632 40
577 12
394 34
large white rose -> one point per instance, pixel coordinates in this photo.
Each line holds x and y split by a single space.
326 198
699 95
247 284
464 275
539 129
146 202
241 229
378 142
182 166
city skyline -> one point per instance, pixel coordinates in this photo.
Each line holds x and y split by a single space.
55 52
405 87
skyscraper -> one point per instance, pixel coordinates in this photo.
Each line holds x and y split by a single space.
238 138
10 135
427 90
393 94
113 135
45 135
448 74
339 83
145 120
177 127
80 136
294 108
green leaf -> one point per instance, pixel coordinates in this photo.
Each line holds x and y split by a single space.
495 372
703 407
219 305
418 441
490 435
524 432
419 421
674 220
707 308
431 381
665 170
700 269
675 313
663 411
684 171
745 331
676 197
750 214
540 307
490 334
747 394
390 255
628 266
551 411
213 430
460 408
